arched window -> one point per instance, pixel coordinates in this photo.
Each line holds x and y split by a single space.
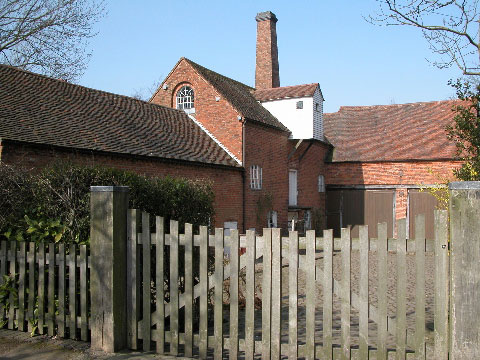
185 99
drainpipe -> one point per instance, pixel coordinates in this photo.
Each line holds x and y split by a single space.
244 172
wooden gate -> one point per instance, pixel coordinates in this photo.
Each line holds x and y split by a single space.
311 297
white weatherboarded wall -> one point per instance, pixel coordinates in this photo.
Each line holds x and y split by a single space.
305 123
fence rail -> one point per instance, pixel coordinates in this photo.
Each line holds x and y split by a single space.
50 288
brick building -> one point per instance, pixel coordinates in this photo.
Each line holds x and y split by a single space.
44 119
381 157
272 155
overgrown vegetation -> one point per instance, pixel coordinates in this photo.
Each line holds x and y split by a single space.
54 205
465 131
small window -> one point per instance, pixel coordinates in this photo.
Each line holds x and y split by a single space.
186 99
317 107
255 177
299 104
321 183
272 219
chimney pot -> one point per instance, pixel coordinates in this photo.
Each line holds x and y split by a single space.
266 15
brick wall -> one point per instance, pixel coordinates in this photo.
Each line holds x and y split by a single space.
227 182
400 175
308 160
267 148
392 173
267 68
218 117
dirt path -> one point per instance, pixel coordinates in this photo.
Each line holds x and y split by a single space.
15 345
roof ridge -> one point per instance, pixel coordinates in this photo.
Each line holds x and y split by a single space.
288 86
216 73
349 107
68 83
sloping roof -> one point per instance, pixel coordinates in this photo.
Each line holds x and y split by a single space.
391 132
240 96
286 92
42 110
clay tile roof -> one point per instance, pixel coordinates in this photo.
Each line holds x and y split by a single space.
391 132
42 110
285 92
240 96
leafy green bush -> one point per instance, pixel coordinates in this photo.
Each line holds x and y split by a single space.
54 205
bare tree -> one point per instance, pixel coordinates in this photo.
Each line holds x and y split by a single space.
48 36
452 28
146 93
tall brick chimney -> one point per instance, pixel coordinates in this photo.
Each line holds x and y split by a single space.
266 71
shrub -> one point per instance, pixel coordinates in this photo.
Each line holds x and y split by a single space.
54 205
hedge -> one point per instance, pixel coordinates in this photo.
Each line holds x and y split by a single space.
54 204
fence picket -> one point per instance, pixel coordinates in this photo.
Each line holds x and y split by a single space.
382 290
293 295
13 271
146 251
363 293
441 284
267 294
22 288
61 289
276 328
401 331
83 293
159 282
31 258
51 290
310 296
250 296
234 277
133 279
203 331
188 296
420 287
3 271
218 310
174 333
328 293
346 295
72 291
41 288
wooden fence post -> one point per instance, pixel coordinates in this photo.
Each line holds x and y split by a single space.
465 269
108 277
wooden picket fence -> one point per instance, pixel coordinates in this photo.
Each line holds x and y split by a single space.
156 322
52 286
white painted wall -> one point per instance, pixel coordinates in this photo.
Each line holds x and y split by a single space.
317 115
306 123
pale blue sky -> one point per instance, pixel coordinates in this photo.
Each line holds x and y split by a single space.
328 42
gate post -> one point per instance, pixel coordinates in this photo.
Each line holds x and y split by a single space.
108 264
464 269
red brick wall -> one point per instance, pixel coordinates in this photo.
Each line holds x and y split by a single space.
227 182
218 117
267 148
309 163
412 173
395 173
